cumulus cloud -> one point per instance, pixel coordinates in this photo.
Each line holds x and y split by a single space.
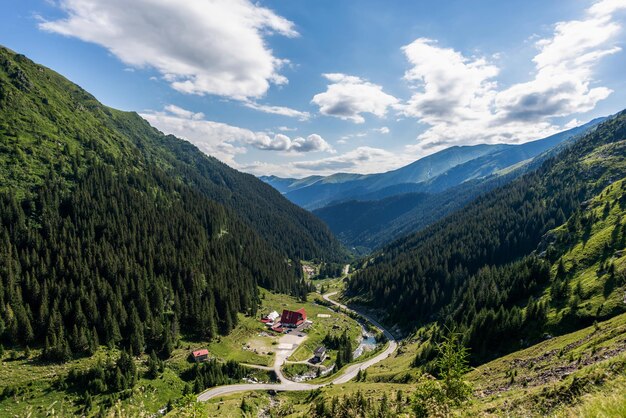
183 113
349 97
459 99
226 141
200 47
564 68
278 110
280 142
452 86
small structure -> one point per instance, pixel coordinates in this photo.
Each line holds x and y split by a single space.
200 355
292 319
319 355
270 318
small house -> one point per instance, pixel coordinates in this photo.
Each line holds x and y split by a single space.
319 355
200 355
293 319
270 318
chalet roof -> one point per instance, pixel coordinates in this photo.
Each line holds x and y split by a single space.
293 317
202 352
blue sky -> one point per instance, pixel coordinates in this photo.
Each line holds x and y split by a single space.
301 87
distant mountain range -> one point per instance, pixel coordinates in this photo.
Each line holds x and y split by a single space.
366 211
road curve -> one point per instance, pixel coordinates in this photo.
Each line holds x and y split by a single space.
286 385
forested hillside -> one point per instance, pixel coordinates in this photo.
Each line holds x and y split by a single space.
483 269
370 224
417 205
112 233
47 121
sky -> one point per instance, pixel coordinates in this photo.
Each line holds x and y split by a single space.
300 87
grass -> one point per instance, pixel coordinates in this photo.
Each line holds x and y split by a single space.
606 402
336 323
38 394
292 370
542 377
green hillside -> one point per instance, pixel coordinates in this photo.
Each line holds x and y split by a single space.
50 124
479 270
113 233
368 221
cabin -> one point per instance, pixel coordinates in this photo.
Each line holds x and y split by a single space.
293 319
319 355
200 356
270 318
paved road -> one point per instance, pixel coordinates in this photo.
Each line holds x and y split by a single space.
287 385
353 369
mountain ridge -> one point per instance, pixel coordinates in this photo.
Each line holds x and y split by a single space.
431 174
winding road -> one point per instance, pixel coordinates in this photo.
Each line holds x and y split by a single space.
287 385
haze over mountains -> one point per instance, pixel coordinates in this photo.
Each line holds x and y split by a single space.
365 211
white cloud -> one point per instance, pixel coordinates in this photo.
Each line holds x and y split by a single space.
452 86
280 142
200 47
183 113
460 101
360 160
564 68
383 130
348 97
278 110
225 141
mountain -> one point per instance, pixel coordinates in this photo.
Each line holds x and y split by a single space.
46 108
113 233
432 174
429 201
544 253
315 192
367 225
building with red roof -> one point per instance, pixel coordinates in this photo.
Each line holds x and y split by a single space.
200 355
293 318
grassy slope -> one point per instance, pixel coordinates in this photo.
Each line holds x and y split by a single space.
578 374
38 393
583 257
37 381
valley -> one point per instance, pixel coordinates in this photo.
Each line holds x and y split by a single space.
285 385
141 276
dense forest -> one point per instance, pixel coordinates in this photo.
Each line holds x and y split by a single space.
112 233
119 261
477 268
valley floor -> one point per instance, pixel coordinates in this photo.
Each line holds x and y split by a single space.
286 385
574 375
